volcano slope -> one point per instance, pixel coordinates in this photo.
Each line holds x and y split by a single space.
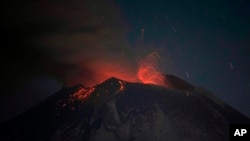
123 111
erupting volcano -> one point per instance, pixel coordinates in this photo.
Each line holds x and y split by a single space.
147 71
120 110
100 70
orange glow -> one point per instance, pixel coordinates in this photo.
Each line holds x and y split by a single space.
82 94
148 72
99 71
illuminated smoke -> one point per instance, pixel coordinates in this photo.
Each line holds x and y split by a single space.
84 43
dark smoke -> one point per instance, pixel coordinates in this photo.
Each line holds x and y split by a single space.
70 41
77 40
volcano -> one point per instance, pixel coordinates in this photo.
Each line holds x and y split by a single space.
125 111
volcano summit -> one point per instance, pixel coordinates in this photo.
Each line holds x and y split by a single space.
124 111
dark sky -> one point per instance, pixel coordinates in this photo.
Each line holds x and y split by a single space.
47 44
209 41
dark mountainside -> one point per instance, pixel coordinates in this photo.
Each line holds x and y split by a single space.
119 110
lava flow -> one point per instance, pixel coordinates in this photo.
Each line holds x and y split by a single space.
82 94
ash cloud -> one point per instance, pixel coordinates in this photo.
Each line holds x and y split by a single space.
74 42
78 41
90 40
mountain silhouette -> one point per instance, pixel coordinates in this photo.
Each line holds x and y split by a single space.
124 111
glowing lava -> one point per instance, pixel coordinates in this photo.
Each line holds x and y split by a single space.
148 71
95 72
82 94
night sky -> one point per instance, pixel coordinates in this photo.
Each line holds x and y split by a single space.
208 42
47 45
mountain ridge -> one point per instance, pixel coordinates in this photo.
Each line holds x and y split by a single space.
120 110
